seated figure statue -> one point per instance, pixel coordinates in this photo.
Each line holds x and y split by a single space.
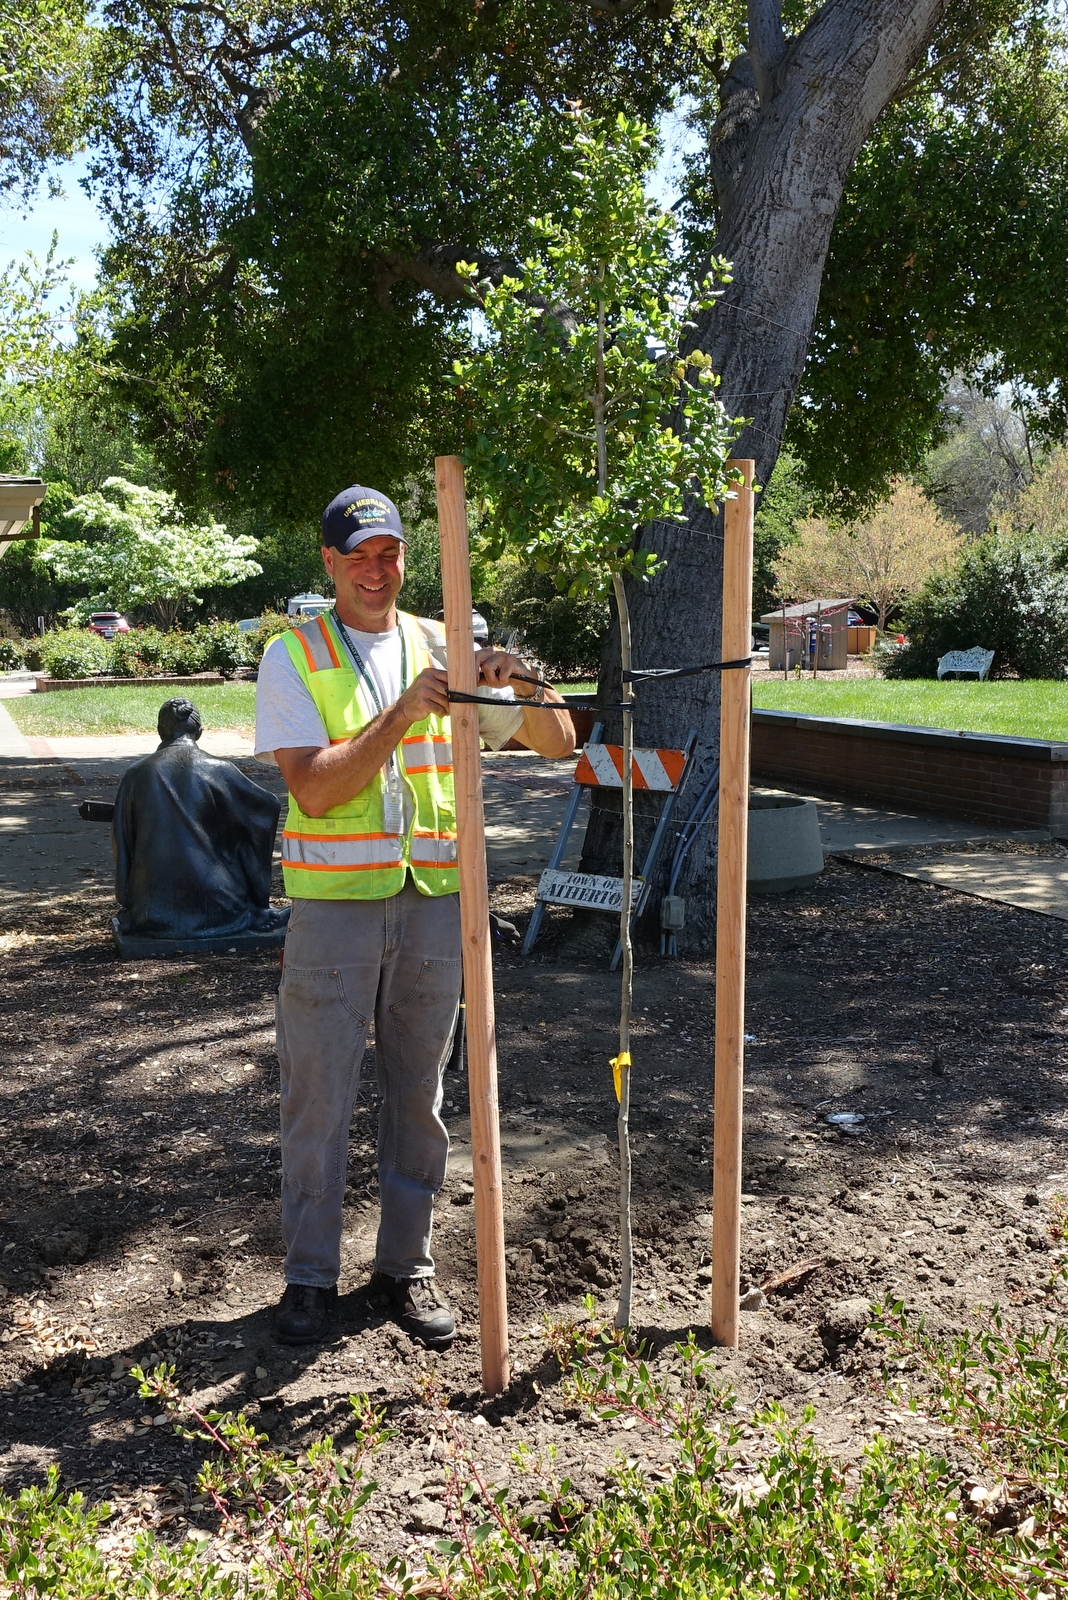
193 840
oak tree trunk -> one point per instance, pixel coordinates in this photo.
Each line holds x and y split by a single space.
794 116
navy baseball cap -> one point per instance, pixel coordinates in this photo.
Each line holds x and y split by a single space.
357 514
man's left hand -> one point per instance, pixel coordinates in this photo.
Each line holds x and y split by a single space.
497 667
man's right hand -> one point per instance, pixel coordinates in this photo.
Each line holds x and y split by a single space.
427 696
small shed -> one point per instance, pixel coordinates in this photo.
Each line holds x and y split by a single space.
20 504
814 633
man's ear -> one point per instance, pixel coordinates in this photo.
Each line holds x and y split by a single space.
328 560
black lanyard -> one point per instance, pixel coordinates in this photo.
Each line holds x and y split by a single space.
362 669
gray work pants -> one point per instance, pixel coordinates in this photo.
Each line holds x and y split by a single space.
397 960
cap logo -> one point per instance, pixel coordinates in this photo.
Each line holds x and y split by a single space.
378 512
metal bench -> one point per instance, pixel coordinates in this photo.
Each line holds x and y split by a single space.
975 660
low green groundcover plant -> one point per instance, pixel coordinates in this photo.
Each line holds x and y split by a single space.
1037 709
796 1524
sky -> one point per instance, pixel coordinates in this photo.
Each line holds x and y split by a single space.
73 216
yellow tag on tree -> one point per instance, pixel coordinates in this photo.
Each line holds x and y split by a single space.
617 1064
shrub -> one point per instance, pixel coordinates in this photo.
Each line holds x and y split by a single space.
565 634
219 647
1006 594
272 623
11 657
69 653
146 653
899 1523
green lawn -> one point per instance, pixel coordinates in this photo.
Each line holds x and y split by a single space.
65 713
1034 710
1037 710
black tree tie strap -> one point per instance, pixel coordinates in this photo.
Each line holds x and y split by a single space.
581 702
659 674
566 702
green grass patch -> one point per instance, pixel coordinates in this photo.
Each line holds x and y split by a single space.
1037 709
67 713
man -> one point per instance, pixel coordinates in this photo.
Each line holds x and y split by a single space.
353 706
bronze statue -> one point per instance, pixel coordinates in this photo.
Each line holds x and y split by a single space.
193 840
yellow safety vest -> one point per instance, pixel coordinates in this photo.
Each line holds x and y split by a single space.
347 853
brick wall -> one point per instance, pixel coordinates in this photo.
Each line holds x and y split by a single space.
984 777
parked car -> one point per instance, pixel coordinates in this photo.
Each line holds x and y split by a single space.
108 623
480 628
307 605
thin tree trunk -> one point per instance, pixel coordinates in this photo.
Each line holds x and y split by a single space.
621 1065
626 1243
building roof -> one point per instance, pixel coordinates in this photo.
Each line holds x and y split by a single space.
807 608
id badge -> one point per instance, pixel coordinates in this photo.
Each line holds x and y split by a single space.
392 808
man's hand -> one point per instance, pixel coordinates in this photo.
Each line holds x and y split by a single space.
427 696
550 733
497 667
319 780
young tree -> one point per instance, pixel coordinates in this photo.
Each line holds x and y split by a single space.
573 455
140 552
880 559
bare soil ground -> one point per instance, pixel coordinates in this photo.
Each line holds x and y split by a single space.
140 1185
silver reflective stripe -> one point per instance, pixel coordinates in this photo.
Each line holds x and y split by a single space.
426 753
433 850
367 850
318 645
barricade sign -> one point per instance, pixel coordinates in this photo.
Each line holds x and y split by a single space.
601 767
585 889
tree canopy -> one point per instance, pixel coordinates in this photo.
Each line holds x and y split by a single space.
290 189
47 72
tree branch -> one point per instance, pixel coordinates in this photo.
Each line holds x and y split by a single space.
433 267
767 45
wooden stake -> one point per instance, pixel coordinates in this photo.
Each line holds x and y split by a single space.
730 908
475 930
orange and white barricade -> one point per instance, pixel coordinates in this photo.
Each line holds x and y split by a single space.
600 766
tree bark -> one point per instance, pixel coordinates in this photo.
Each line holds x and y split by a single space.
793 121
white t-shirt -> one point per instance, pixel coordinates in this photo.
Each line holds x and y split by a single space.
287 717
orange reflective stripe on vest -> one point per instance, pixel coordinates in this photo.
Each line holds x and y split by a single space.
316 642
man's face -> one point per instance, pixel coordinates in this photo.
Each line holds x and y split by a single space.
367 582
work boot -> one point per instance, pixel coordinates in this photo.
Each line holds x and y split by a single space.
302 1314
418 1306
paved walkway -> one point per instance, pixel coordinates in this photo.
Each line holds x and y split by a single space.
45 848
